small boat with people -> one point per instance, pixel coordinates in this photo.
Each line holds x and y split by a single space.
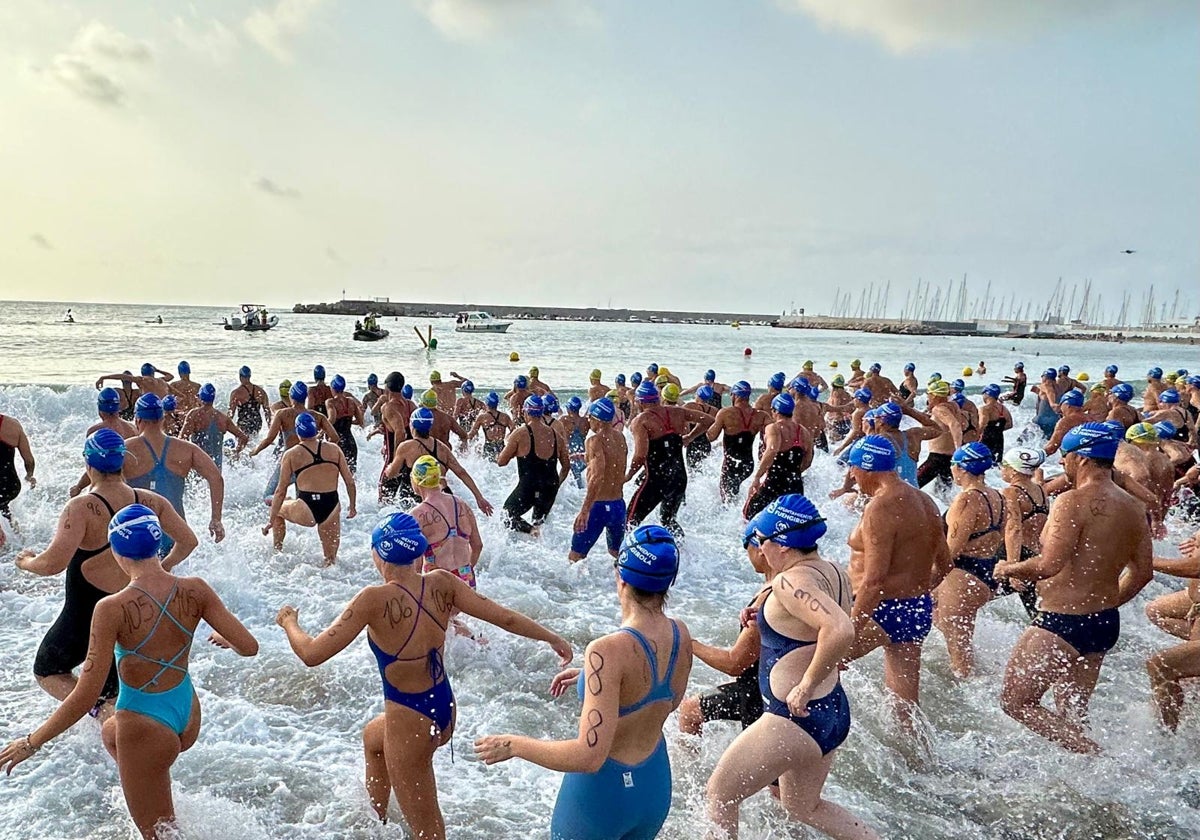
368 328
478 321
252 318
68 318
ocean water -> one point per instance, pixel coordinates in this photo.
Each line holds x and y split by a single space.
280 753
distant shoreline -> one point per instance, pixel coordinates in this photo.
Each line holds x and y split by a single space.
391 308
973 329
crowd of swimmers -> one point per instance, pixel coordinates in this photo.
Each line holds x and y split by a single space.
1073 547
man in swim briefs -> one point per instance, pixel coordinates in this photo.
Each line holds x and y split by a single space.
603 509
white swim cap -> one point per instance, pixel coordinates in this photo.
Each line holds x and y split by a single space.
1024 460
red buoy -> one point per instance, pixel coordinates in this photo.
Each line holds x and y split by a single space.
746 352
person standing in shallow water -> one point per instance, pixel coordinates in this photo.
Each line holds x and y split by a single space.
13 440
249 404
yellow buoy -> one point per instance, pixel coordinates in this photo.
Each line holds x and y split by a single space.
833 364
967 371
514 357
1083 377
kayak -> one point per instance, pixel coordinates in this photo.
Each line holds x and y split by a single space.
370 335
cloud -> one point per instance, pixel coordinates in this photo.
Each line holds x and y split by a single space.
41 242
334 257
270 187
474 20
89 68
908 25
274 30
211 39
83 79
96 39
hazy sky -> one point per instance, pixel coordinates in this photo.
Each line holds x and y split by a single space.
745 154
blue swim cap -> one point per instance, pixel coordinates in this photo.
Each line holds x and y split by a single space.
777 380
652 367
170 403
397 539
975 458
108 401
319 373
603 410
372 380
1072 397
148 407
147 369
646 392
406 392
934 377
1154 373
1019 366
873 453
184 367
958 385
1181 373
493 399
741 389
784 404
620 379
1170 396
1123 392
814 393
992 390
135 533
1194 381
890 413
635 379
863 395
306 425
649 559
207 393
1166 429
958 399
339 383
870 417
705 393
1050 373
533 406
244 372
1092 440
910 367
1064 368
299 392
791 521
710 375
104 451
574 405
550 404
422 420
520 383
1111 370
468 387
876 367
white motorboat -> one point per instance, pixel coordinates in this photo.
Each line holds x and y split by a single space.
476 321
253 318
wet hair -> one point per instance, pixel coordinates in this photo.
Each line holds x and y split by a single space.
647 598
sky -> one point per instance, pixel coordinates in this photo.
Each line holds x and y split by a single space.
746 155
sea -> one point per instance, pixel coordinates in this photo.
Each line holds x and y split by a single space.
280 755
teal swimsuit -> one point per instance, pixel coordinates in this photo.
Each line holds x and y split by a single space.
173 707
161 480
212 441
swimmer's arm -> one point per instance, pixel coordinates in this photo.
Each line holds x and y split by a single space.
457 429
67 538
26 456
596 468
207 468
809 449
227 425
701 418
509 451
225 624
1060 538
959 534
564 452
1140 492
943 562
476 539
718 425
691 390
331 410
281 488
1139 570
265 402
120 377
1059 484
331 434
177 529
801 594
475 427
272 433
474 604
458 469
1056 439
333 640
1181 567
736 659
641 443
1014 532
351 487
768 456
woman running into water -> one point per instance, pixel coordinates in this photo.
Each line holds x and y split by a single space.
448 525
405 618
158 713
618 776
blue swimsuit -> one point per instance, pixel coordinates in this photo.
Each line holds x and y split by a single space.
828 720
165 483
212 441
621 801
905 620
905 465
435 702
173 707
1046 417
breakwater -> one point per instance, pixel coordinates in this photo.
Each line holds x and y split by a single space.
541 313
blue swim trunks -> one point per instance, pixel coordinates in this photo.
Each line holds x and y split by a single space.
905 620
604 516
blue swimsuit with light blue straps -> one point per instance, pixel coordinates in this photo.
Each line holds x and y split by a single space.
173 707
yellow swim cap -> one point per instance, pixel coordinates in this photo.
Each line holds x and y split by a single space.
427 472
839 381
1141 433
613 394
534 372
808 365
661 380
856 364
939 388
833 364
1171 377
595 376
1099 386
663 371
514 357
285 387
435 377
1083 377
670 393
967 371
429 399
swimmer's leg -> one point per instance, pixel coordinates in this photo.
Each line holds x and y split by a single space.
800 794
145 752
1168 613
902 677
1072 695
330 533
1167 668
1039 660
409 754
379 784
958 599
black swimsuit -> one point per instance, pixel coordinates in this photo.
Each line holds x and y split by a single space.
321 504
738 464
537 486
493 448
345 435
666 479
10 482
982 567
249 415
783 476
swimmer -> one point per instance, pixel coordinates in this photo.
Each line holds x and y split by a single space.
449 528
318 393
395 415
907 442
603 509
908 386
1150 467
1096 556
716 390
1110 380
1176 614
837 423
317 504
898 556
285 388
857 410
1181 455
623 400
162 464
80 547
494 424
371 399
172 417
596 387
467 408
443 424
543 464
344 411
445 390
151 381
739 424
882 389
1065 382
994 420
1170 410
618 775
574 428
1154 387
406 618
972 427
516 397
788 454
696 444
982 369
399 468
206 427
1095 403
13 440
810 413
536 385
1018 381
1119 408
805 631
857 376
108 406
158 712
249 404
283 430
187 392
975 531
774 389
951 420
814 379
1071 406
1026 508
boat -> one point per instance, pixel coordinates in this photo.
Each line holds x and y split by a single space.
476 321
252 318
370 335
